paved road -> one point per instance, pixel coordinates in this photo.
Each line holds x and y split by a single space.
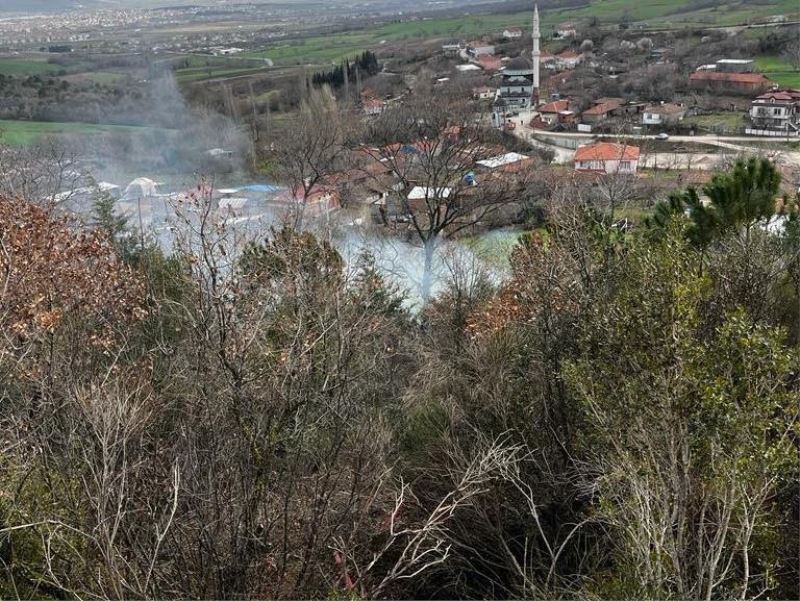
701 139
674 160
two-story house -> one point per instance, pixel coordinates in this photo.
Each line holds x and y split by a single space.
777 111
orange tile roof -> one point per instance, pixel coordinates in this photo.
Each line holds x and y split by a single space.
607 151
787 95
754 78
601 109
555 107
489 62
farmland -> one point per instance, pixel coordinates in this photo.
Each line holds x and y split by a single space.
20 66
779 70
332 48
21 133
730 122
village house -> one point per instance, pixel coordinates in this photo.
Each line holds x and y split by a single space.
547 60
568 60
601 109
607 158
566 30
373 106
554 82
660 55
512 34
451 49
557 111
729 83
511 162
478 49
483 93
734 65
489 63
775 113
666 113
321 199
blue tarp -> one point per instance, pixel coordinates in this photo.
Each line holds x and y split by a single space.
261 188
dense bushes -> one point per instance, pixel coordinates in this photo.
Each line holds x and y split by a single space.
617 420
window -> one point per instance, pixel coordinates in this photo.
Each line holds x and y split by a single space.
625 165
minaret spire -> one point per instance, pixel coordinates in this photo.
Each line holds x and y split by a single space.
536 55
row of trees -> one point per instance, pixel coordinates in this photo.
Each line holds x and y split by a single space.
366 65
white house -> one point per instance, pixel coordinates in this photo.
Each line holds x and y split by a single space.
451 49
512 34
374 106
665 113
566 30
477 49
608 158
483 93
568 60
777 111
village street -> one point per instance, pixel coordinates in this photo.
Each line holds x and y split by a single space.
563 145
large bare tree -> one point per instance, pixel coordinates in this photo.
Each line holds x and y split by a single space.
431 145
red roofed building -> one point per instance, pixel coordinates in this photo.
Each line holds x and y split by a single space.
731 83
489 62
322 198
555 112
602 109
777 111
374 106
568 60
608 158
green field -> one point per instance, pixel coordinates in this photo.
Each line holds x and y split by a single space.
333 48
202 73
723 122
779 70
19 66
23 133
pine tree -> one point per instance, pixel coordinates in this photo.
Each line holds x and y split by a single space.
115 226
736 202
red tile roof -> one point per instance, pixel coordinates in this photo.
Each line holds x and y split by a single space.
489 62
555 107
607 151
745 78
604 105
784 95
600 109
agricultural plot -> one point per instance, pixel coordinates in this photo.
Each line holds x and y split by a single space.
779 70
23 67
22 133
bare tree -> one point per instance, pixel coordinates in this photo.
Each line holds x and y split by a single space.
46 173
792 51
431 147
311 148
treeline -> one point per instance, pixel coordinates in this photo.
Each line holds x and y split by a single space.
364 66
619 419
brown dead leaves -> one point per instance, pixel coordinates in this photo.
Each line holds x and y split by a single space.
53 270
